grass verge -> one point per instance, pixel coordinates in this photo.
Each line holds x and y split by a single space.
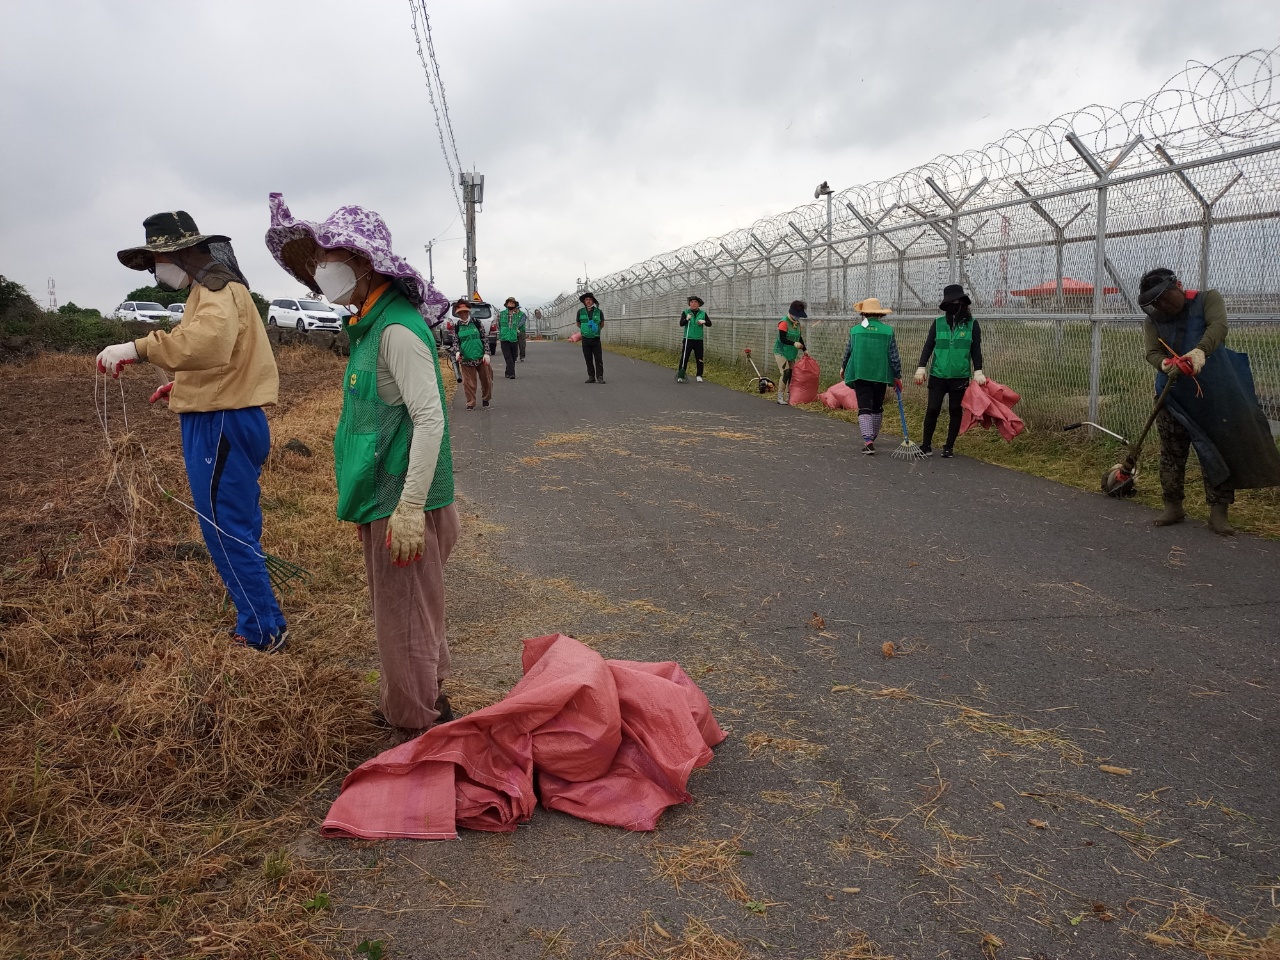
1071 459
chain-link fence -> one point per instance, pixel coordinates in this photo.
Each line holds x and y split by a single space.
1048 229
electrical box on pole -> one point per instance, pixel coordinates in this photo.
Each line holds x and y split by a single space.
472 196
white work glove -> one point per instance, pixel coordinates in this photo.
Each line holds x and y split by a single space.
920 375
702 323
485 358
406 533
458 356
1197 359
112 358
979 377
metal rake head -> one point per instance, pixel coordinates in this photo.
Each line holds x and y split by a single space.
908 451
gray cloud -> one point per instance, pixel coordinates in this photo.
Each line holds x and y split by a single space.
607 132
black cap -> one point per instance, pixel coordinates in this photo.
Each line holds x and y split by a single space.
1154 284
797 310
583 297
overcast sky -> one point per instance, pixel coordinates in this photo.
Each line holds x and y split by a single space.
607 131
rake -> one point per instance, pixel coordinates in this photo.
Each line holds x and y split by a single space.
906 450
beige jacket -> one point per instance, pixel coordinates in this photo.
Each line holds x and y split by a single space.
219 353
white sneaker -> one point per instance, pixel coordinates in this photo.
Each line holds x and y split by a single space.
782 400
699 379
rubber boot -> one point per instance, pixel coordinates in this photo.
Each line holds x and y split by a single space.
1218 522
1173 513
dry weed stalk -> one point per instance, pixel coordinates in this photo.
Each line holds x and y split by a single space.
713 863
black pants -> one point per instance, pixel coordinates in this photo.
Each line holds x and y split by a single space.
509 351
594 356
694 347
952 389
870 396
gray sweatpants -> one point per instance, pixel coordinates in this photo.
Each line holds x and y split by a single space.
408 618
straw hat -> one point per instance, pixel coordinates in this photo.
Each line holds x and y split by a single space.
871 307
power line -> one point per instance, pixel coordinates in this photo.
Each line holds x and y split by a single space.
431 67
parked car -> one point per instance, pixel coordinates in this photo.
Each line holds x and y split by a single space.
143 312
303 315
177 309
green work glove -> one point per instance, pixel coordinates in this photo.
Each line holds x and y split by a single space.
406 533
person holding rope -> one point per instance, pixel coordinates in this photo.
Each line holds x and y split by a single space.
694 321
590 323
955 342
511 321
224 374
1211 405
871 362
786 347
391 448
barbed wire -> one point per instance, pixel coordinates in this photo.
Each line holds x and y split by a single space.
1205 110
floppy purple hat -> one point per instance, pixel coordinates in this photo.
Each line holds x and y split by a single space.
349 228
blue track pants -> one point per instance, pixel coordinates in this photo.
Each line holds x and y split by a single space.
224 451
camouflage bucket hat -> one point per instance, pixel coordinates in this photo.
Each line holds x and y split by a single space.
166 233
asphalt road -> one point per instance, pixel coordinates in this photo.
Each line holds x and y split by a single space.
1039 633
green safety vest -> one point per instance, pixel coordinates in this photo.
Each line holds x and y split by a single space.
470 341
510 322
589 322
693 330
869 353
788 350
951 349
371 444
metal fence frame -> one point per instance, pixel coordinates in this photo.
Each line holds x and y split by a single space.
1187 178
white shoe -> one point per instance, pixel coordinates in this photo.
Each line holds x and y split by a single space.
782 400
699 379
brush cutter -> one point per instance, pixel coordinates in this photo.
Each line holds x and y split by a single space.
906 450
763 383
1120 480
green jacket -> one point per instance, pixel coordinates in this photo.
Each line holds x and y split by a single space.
590 322
689 320
510 323
371 444
789 334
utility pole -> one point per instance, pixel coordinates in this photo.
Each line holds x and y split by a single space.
431 270
472 196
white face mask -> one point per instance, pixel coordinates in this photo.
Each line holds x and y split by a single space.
336 281
172 276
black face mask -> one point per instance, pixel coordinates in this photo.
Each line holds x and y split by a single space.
954 309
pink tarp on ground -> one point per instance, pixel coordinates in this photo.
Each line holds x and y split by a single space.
991 403
839 396
613 742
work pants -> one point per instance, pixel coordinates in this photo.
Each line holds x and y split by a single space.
594 356
509 351
952 390
470 374
784 375
520 338
408 618
870 407
224 452
695 347
1175 445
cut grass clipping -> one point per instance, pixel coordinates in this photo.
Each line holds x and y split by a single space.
151 775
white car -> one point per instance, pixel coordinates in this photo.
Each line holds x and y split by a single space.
143 312
303 315
177 310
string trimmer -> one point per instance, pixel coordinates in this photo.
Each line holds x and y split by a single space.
1120 479
763 383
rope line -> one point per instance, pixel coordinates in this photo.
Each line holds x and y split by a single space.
431 67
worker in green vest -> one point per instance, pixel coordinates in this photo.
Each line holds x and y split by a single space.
391 449
694 321
955 342
510 322
472 355
786 347
871 362
590 323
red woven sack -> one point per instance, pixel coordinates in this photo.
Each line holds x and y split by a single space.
804 380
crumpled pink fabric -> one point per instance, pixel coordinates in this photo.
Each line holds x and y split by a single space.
612 741
991 403
575 337
839 396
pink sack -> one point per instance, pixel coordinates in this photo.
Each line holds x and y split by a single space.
840 396
804 380
575 337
